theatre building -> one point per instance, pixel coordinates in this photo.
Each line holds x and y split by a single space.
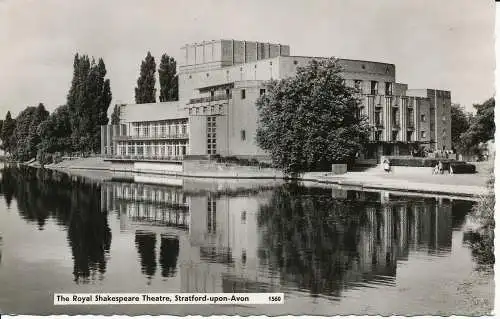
219 83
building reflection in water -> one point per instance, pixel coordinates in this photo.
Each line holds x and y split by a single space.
317 240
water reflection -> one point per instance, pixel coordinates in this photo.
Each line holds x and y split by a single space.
74 203
290 238
146 247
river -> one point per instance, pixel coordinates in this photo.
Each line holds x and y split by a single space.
331 251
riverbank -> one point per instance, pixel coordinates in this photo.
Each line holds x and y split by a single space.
416 180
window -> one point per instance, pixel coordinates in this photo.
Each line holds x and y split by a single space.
262 91
243 217
423 134
378 119
378 135
243 135
388 88
243 94
227 92
212 94
211 140
422 118
409 136
357 84
374 88
395 135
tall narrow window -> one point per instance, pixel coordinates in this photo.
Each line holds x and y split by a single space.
357 84
374 88
243 94
243 135
388 88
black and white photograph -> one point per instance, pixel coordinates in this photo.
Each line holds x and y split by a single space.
247 158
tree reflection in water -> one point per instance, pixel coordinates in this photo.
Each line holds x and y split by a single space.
325 242
74 203
145 242
311 238
169 252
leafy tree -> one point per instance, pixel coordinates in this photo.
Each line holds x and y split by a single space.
26 134
88 101
459 123
115 116
481 128
310 121
8 127
145 92
169 86
56 132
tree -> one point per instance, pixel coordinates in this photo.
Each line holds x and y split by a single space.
56 132
8 132
310 121
481 128
115 116
145 92
459 123
169 86
88 101
26 135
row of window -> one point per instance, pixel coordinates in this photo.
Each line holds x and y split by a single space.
152 149
159 129
395 135
204 109
374 87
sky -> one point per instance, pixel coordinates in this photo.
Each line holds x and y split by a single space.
445 44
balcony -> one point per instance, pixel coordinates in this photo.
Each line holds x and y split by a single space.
410 125
151 137
219 97
396 126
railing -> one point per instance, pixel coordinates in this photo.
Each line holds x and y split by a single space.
149 137
145 157
218 97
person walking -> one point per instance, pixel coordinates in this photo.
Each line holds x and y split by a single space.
440 165
387 166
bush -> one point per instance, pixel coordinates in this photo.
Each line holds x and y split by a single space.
481 240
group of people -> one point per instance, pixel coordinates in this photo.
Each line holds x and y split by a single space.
439 169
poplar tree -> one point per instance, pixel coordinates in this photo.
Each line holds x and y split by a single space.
88 101
145 92
169 85
115 116
8 127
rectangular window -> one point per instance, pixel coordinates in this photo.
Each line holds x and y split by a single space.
395 135
243 135
374 88
423 134
262 91
409 136
388 88
357 84
422 118
243 94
